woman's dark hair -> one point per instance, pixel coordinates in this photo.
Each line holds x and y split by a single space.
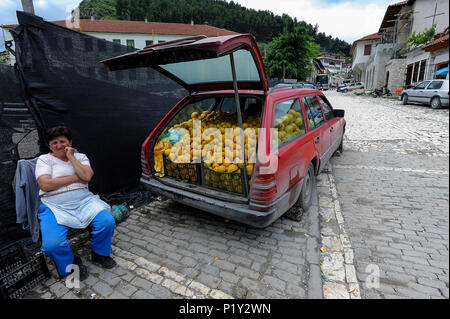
57 131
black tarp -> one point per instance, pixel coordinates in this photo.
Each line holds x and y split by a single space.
18 140
109 113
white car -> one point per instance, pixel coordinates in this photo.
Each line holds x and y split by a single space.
432 92
351 86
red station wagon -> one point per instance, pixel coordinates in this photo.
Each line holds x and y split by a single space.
295 132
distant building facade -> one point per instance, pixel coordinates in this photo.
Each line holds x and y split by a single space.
331 64
392 64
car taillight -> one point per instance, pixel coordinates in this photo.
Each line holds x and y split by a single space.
263 191
145 165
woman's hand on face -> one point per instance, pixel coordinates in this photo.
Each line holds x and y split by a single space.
70 151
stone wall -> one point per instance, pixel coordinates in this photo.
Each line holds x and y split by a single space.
397 74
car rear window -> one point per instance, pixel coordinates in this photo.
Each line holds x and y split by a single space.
435 85
314 112
216 70
288 121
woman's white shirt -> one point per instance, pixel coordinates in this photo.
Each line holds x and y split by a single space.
48 164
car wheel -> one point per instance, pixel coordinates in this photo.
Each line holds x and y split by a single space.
345 91
341 146
306 194
405 99
436 102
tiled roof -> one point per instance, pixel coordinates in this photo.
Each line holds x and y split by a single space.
440 42
373 36
120 26
391 12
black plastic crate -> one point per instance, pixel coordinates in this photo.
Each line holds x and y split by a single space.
11 256
20 272
187 172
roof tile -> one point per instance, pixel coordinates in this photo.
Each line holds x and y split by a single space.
121 26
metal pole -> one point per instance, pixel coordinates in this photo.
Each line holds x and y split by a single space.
27 6
238 108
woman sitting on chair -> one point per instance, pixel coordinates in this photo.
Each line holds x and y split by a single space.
63 178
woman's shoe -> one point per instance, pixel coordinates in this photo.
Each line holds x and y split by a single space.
83 272
105 261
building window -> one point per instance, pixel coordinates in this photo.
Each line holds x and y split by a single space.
409 72
116 41
367 49
415 72
130 43
148 42
422 69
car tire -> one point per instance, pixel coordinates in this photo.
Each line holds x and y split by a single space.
435 103
404 99
305 198
345 91
341 146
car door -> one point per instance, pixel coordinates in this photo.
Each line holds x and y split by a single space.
334 126
318 127
417 94
289 121
432 90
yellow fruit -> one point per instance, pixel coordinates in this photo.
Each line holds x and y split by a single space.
167 151
232 168
249 169
195 115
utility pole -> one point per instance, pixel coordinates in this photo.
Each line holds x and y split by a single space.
27 6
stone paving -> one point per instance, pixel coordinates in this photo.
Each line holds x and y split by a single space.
378 227
168 250
392 182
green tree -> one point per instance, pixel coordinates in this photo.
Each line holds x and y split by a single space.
290 53
104 9
421 37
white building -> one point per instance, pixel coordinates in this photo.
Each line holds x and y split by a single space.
137 34
395 65
333 63
362 51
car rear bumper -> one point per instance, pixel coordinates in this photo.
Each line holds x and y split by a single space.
235 211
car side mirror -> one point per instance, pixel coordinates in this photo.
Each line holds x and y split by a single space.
338 113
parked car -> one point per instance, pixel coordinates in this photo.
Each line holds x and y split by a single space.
351 86
299 85
296 132
433 92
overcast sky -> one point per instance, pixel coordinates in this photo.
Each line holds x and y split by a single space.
347 20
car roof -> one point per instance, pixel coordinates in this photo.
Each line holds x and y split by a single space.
282 92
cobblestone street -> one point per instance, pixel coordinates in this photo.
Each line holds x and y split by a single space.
378 228
392 184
